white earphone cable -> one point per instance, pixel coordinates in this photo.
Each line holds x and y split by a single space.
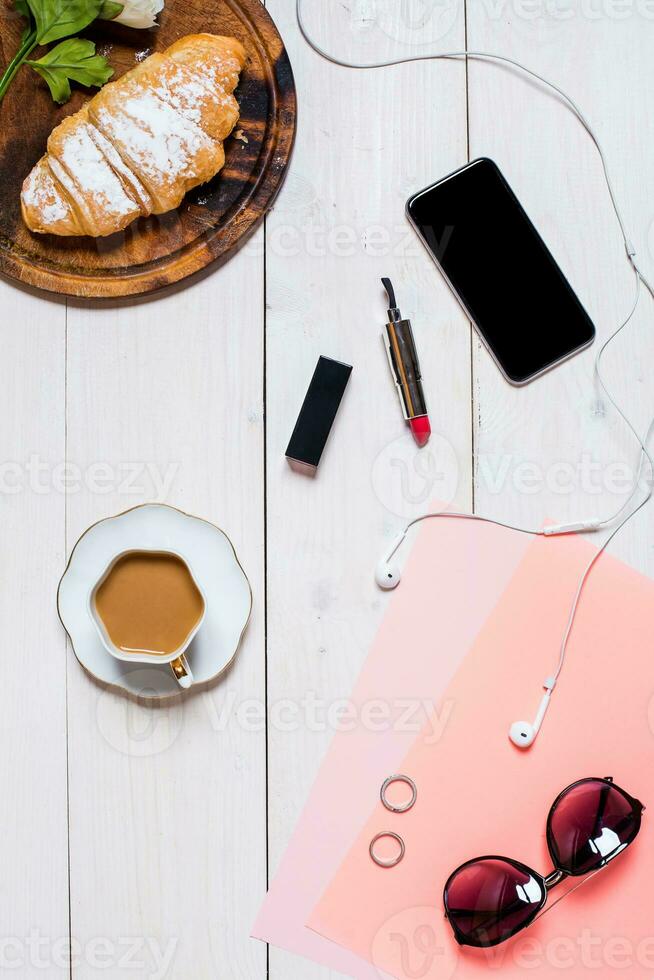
641 280
584 579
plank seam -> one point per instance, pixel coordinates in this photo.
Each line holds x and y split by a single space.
66 648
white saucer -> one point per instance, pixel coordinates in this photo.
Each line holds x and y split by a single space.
213 560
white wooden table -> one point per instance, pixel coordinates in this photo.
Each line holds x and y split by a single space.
148 834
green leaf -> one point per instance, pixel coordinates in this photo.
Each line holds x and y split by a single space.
23 9
110 10
61 18
72 59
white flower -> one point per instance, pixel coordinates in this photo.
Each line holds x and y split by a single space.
139 13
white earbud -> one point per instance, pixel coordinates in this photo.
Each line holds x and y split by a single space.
387 574
522 734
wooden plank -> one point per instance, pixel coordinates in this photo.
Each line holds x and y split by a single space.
168 833
33 804
556 448
365 142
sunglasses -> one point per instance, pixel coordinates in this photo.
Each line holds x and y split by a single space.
490 899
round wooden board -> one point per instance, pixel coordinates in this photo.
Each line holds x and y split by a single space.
213 219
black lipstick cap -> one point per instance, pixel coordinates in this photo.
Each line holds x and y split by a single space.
317 414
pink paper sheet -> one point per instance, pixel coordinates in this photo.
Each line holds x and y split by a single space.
453 579
478 795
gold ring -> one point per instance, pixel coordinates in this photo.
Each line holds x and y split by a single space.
402 807
390 862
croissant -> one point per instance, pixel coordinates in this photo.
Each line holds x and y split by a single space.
140 144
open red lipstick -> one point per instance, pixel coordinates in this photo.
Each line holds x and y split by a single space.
421 429
405 368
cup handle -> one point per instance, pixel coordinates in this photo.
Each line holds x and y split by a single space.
182 671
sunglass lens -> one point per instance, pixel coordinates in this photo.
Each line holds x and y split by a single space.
490 899
589 824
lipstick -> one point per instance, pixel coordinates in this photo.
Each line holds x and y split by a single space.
405 368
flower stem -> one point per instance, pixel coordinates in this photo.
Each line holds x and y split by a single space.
23 52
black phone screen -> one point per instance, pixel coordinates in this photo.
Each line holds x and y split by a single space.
502 271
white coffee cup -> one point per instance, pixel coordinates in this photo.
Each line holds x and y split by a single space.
177 659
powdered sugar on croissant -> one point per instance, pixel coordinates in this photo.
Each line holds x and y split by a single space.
140 144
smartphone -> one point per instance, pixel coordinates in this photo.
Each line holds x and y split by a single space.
501 270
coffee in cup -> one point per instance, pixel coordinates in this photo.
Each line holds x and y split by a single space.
148 607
